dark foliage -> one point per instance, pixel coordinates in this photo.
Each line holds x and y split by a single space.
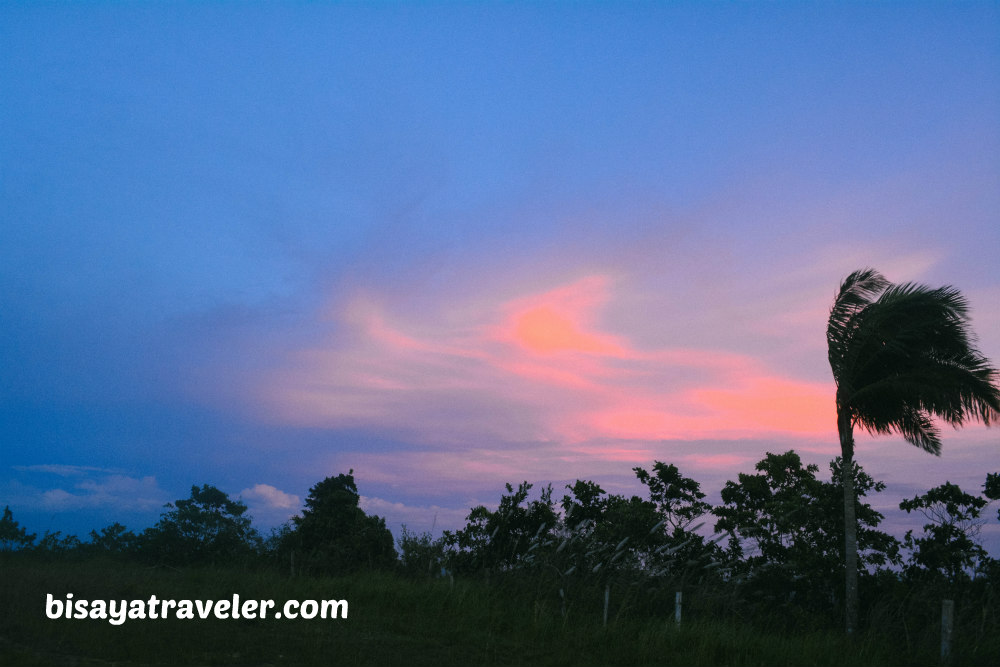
779 571
947 551
115 539
13 537
208 527
787 536
334 535
504 539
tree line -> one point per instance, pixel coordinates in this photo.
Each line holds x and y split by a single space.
774 546
331 534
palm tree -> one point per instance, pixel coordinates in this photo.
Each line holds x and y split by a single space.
901 354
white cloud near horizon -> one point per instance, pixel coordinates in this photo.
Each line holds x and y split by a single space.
268 505
265 495
417 518
100 492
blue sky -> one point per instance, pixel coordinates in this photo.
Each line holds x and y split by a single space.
255 245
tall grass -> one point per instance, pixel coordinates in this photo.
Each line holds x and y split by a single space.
393 620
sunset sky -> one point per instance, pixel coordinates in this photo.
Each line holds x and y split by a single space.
456 245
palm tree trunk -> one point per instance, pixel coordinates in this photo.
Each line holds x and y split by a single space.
850 524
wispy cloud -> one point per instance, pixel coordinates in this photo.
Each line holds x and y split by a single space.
539 367
119 493
66 470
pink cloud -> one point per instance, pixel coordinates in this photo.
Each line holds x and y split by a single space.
541 367
773 404
561 321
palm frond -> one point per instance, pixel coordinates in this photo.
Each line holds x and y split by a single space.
913 424
856 293
907 356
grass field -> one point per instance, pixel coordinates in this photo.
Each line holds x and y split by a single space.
392 620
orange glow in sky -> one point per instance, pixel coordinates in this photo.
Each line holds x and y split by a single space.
775 404
636 423
541 367
545 330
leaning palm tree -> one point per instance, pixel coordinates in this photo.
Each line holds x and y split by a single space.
901 354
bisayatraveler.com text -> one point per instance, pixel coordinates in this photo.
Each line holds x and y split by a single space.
117 611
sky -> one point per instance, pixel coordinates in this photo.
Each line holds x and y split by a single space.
453 245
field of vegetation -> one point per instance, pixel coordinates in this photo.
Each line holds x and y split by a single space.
590 579
393 620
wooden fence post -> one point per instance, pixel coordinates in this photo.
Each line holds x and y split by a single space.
947 624
607 596
677 608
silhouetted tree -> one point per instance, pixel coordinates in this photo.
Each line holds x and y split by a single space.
787 541
12 536
948 548
207 527
991 489
678 499
335 535
609 531
53 543
113 539
680 508
900 354
420 554
502 539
